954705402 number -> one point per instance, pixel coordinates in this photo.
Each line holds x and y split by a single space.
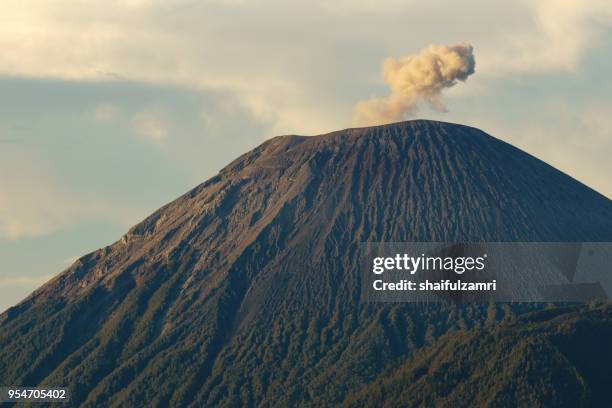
13 394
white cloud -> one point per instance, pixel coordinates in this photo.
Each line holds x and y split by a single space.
150 125
555 37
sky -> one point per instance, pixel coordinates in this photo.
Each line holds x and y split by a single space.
110 109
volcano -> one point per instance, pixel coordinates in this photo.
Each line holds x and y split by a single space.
245 291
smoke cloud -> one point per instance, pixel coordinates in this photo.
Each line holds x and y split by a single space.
415 78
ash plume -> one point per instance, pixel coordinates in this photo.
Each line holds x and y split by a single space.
414 78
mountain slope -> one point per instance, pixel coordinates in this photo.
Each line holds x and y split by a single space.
246 289
550 358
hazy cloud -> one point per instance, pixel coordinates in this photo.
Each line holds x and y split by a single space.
105 112
31 203
151 126
34 203
415 78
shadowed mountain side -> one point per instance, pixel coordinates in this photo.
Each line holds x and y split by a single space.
551 358
245 291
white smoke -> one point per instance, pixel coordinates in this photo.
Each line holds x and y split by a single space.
415 78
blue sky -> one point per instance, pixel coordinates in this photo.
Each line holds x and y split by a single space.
110 109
